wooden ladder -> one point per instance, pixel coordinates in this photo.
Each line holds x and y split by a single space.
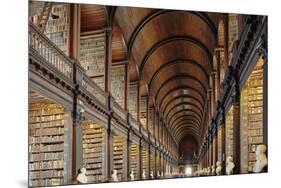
44 16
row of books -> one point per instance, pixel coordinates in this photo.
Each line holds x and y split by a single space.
45 111
47 131
46 148
46 118
46 165
46 139
46 174
45 156
47 182
55 123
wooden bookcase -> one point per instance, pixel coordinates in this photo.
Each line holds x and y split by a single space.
134 164
92 57
94 137
251 117
152 163
219 137
58 26
229 133
119 156
46 144
144 161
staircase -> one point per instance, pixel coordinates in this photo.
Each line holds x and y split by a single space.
44 16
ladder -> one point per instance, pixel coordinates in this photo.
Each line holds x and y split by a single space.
44 16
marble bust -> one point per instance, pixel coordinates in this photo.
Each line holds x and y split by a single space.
132 177
82 178
158 174
209 171
213 171
143 176
261 159
151 174
219 168
229 165
114 177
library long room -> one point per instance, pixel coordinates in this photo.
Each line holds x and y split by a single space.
126 94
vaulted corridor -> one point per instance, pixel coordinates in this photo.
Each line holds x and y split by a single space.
143 93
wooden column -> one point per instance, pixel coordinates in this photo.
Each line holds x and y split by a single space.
127 86
216 143
138 101
129 152
236 132
213 92
140 157
218 73
75 24
108 59
226 39
223 143
109 142
149 164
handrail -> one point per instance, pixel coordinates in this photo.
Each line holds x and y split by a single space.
55 58
94 89
119 111
50 52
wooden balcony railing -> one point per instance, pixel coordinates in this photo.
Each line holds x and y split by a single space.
119 111
57 61
94 89
50 52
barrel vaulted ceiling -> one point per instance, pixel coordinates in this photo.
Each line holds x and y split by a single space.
171 54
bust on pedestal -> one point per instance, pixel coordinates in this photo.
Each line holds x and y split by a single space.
208 171
219 168
158 174
261 159
114 177
151 174
229 165
82 178
143 176
132 177
213 170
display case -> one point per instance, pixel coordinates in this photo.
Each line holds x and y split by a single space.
251 105
119 150
229 132
94 138
46 144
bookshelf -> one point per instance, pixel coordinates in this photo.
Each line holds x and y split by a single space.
46 144
94 137
251 117
119 156
152 163
144 161
92 57
219 137
143 114
118 73
134 164
58 26
229 133
133 93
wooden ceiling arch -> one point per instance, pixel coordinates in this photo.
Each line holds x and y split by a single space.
173 39
184 90
181 99
184 112
159 12
183 130
175 62
166 114
188 79
185 121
